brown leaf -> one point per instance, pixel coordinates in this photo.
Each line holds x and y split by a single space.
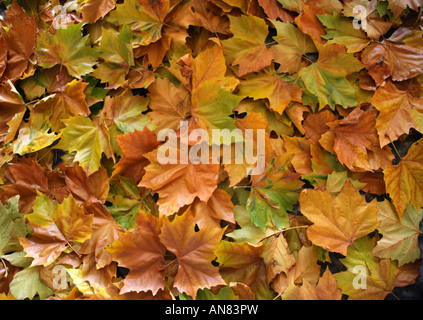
142 252
135 145
194 253
84 187
96 9
219 207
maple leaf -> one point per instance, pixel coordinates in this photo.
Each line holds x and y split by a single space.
96 9
206 14
326 289
274 10
179 184
212 106
382 275
292 46
398 6
356 142
116 51
19 35
143 253
218 207
97 276
315 125
27 179
86 188
305 269
105 231
393 58
292 5
242 262
404 181
70 102
68 48
12 225
134 146
125 112
34 135
238 169
247 44
11 104
374 22
331 232
194 253
271 86
277 257
89 139
169 104
268 204
144 17
56 226
340 30
326 78
126 199
308 22
27 283
208 65
248 231
400 235
399 112
301 160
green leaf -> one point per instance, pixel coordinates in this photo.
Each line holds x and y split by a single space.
268 206
247 48
34 135
88 139
116 51
326 78
248 232
212 107
376 277
340 30
125 112
12 226
68 48
292 46
27 283
400 235
146 21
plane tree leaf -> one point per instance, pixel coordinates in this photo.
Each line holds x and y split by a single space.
329 230
69 48
400 235
247 48
56 227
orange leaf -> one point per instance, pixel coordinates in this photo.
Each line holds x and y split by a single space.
141 251
339 221
194 253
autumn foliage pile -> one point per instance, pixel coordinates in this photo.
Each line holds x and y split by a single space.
88 212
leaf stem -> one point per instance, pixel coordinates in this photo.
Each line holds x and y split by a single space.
367 266
282 231
5 268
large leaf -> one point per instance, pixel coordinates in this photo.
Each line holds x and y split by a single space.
88 139
247 48
68 48
404 181
382 275
326 78
194 251
400 235
340 220
56 227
